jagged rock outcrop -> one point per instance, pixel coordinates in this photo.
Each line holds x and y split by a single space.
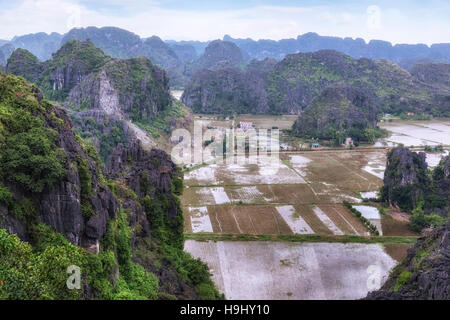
102 94
23 63
219 51
228 89
62 204
438 200
425 272
339 109
134 88
405 178
105 102
150 175
69 66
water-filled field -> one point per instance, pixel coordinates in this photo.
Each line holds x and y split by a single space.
300 193
418 133
280 270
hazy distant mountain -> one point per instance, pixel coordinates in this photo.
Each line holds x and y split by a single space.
185 52
42 45
356 48
199 46
181 58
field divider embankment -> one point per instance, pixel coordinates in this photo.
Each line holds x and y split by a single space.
262 204
300 238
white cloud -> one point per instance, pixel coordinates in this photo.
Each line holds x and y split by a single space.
147 18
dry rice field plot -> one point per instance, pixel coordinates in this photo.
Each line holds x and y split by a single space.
343 170
247 220
397 251
344 220
270 270
393 227
273 219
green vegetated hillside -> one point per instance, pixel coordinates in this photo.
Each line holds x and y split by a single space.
102 94
121 224
340 111
293 83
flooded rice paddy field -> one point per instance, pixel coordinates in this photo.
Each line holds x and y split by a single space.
299 193
280 270
303 196
418 133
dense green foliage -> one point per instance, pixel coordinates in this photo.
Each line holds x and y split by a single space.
104 134
28 153
138 81
168 231
40 271
419 220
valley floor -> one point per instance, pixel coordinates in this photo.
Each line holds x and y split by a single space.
298 195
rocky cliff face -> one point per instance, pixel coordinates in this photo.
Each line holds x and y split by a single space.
24 63
132 88
68 67
104 103
220 52
439 192
405 178
103 94
227 89
407 182
424 274
66 205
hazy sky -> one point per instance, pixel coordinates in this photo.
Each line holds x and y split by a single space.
399 21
